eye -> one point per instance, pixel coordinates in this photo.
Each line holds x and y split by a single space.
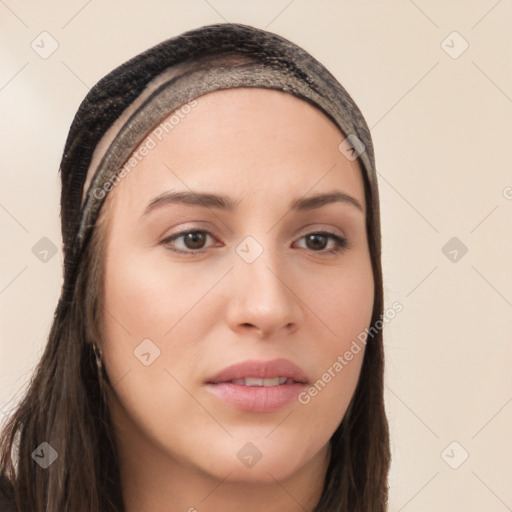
317 242
193 242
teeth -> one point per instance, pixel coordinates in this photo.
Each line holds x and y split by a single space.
254 381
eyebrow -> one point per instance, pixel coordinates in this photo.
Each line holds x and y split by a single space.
220 202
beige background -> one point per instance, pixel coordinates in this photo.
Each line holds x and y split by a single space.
442 130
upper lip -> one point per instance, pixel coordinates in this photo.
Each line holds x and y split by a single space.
260 369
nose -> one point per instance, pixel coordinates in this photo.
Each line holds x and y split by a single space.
262 299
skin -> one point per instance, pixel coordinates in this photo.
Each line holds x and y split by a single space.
178 443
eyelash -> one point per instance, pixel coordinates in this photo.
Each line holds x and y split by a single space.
341 243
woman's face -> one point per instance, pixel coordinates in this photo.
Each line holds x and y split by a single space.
256 278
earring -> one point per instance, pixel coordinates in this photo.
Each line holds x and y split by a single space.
97 355
99 361
103 379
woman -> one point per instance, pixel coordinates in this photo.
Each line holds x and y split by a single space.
220 219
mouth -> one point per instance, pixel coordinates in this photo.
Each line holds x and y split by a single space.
260 373
258 386
255 381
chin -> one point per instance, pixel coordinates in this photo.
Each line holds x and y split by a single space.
261 460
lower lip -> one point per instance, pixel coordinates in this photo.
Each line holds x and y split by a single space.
256 398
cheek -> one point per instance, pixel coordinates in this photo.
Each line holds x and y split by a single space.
137 307
144 297
146 318
344 309
342 302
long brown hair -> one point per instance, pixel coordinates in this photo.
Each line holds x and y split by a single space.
66 402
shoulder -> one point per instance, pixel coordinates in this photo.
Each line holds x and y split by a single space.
7 503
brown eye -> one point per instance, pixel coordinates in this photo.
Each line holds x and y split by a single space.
194 240
191 241
317 242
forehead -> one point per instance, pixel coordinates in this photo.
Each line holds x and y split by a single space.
257 109
239 139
